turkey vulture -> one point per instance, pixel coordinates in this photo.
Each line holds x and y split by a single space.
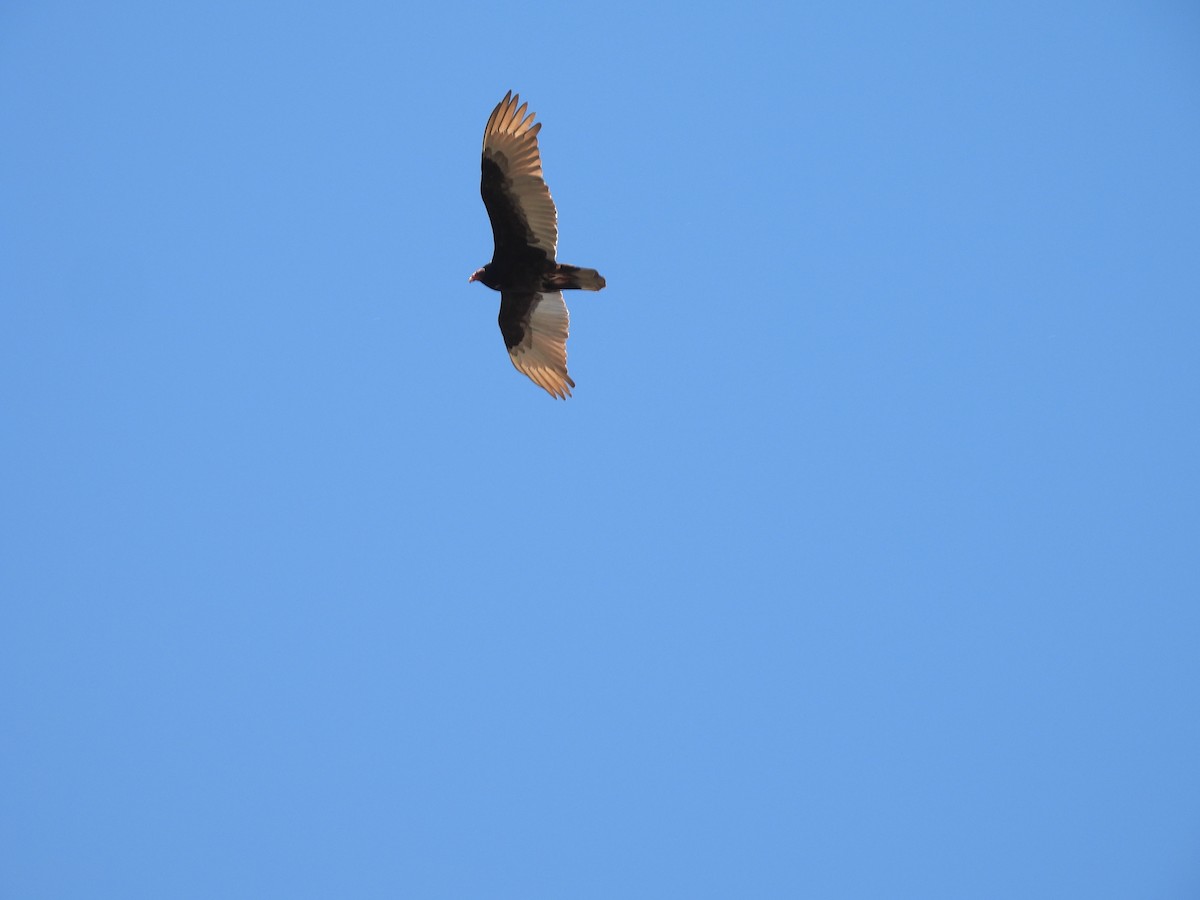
533 316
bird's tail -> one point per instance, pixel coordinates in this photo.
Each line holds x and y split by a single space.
566 277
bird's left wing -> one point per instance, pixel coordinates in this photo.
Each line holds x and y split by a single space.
535 331
514 192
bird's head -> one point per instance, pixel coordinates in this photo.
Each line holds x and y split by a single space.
477 275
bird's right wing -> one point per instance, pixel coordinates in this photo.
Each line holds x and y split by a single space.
535 331
514 192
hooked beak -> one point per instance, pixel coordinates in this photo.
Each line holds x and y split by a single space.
472 278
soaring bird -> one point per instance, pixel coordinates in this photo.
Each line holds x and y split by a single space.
533 315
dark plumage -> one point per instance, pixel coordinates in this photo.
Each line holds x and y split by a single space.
533 316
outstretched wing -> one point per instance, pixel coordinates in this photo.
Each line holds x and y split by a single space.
535 331
517 199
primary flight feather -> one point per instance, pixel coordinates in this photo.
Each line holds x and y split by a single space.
533 316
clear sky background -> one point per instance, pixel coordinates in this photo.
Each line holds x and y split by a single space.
863 563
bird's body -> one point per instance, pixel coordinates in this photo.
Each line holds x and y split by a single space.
524 269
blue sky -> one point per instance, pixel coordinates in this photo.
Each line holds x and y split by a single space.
863 562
